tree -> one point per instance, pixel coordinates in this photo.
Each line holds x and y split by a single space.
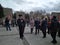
1 12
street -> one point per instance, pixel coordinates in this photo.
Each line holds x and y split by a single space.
12 37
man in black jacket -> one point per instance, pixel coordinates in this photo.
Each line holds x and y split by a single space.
54 27
21 25
37 25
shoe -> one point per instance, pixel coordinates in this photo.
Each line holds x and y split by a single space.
54 42
44 37
21 38
31 32
35 33
59 36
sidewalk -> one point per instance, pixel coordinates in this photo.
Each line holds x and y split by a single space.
9 37
38 40
12 38
13 31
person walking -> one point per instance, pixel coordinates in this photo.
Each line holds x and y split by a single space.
37 25
21 25
44 27
54 27
7 24
59 29
49 23
31 25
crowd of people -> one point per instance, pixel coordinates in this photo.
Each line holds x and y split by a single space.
43 24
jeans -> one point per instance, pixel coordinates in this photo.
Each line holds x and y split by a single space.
8 27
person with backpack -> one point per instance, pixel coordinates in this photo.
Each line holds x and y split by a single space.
54 27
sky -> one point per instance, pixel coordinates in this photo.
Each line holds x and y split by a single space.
28 5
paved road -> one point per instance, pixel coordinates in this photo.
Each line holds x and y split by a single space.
38 40
9 37
12 38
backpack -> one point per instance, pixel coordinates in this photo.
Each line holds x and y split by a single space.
55 24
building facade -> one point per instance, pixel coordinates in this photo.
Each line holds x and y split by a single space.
57 14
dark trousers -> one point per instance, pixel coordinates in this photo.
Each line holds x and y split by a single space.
21 31
44 33
48 30
31 30
8 27
37 30
53 35
59 32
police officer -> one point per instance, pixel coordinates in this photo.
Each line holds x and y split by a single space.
21 25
